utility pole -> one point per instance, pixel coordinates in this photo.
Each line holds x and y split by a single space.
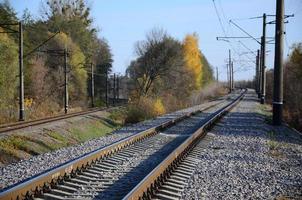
263 44
217 74
278 64
92 85
117 88
257 73
21 74
66 82
260 70
114 89
232 75
106 85
228 77
230 72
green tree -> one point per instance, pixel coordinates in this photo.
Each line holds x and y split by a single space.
8 76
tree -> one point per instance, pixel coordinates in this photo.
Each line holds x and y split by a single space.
7 13
77 74
73 18
103 63
292 87
156 56
8 76
207 71
192 57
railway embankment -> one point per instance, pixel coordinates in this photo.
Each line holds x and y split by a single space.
247 158
31 141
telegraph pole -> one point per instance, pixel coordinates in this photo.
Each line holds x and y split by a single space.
230 71
257 73
106 85
217 74
260 70
114 89
66 82
263 44
228 77
117 88
92 85
278 65
232 75
21 74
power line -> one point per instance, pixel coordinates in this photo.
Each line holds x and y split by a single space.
219 18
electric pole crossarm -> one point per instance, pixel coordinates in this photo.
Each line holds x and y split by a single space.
245 31
235 37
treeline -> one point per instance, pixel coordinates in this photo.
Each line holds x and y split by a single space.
292 89
71 23
166 74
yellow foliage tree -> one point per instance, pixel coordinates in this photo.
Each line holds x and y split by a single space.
78 81
192 57
158 107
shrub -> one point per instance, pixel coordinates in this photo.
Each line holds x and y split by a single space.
158 107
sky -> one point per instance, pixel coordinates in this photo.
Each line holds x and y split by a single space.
124 22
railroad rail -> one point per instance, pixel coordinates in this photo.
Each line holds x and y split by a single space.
24 124
166 172
68 178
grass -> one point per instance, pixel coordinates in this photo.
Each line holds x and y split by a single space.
61 141
273 145
12 144
118 116
16 147
266 111
92 130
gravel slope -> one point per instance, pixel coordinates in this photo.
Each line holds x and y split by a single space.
248 159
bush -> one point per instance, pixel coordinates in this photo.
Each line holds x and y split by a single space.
145 108
134 114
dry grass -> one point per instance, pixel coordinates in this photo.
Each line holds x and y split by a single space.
210 92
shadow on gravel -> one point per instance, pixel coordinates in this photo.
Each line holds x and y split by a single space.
254 125
128 181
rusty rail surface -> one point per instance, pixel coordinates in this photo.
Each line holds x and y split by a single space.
24 124
144 190
42 182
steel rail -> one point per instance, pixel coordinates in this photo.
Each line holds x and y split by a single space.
145 189
43 181
23 124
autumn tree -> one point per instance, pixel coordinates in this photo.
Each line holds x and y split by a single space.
157 55
8 76
192 57
292 87
44 71
207 76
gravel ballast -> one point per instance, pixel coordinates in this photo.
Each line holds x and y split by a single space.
248 159
16 172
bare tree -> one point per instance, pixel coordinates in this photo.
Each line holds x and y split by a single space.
156 56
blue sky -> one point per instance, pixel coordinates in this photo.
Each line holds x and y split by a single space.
124 22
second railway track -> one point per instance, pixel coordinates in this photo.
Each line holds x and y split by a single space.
112 172
23 124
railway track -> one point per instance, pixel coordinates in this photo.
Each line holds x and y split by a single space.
168 179
24 124
111 172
